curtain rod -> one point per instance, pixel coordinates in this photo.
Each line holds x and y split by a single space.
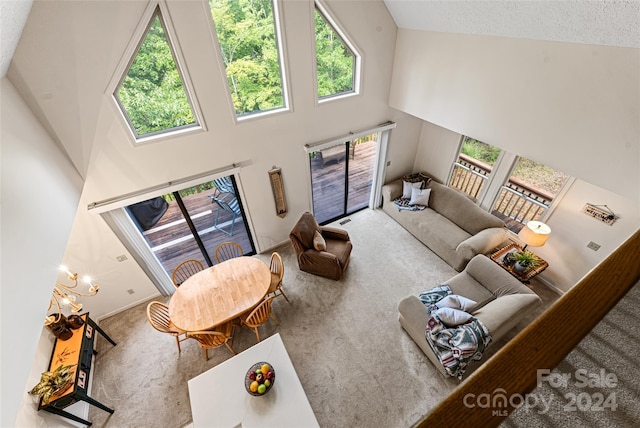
149 192
351 136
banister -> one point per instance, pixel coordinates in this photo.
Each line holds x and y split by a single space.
542 344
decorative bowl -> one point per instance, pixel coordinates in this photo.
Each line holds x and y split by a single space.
262 382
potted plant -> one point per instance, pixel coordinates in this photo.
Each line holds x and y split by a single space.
53 382
525 260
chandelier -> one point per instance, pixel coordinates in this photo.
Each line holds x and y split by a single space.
67 294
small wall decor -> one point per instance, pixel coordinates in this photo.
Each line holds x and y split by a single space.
600 212
277 185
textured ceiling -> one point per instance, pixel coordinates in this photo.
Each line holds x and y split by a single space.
13 15
595 22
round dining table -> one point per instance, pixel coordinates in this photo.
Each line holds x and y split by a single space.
219 294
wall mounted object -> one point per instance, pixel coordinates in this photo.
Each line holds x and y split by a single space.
600 212
277 185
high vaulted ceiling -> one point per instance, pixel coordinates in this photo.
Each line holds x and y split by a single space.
597 22
610 23
13 16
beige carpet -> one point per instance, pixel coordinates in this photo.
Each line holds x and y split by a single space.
356 364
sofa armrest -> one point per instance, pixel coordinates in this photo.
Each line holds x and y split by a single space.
501 315
334 233
482 242
392 190
494 278
413 317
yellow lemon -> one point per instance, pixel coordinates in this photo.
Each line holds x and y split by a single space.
254 386
265 368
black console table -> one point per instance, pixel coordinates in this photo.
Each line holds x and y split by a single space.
78 351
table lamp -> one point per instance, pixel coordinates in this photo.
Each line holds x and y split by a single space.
534 233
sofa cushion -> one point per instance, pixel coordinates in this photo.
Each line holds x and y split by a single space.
461 210
465 285
437 230
496 280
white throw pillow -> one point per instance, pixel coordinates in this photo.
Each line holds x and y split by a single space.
407 186
456 302
452 317
420 197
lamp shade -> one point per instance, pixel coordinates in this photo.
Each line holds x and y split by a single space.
534 233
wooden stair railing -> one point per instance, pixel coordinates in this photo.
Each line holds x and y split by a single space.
543 344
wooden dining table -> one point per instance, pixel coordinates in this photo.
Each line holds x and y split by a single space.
219 294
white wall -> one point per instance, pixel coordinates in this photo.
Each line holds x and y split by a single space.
71 95
39 196
566 250
62 67
437 149
571 106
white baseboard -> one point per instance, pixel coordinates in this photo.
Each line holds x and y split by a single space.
273 247
549 284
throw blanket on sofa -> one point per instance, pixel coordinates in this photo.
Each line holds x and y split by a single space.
403 204
455 346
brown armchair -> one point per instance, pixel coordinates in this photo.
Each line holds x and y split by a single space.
330 262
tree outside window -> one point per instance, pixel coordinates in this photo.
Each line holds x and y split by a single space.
246 32
335 62
152 95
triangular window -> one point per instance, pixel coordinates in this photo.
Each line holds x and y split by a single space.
336 61
152 95
248 36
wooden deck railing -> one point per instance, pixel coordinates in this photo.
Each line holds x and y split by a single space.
469 175
518 201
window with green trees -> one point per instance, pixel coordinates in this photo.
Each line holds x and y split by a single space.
250 48
151 94
335 61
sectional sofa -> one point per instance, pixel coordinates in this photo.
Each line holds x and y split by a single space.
501 303
452 226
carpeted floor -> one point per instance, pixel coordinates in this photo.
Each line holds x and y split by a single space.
356 364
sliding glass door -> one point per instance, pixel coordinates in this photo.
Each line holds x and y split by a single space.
342 177
190 223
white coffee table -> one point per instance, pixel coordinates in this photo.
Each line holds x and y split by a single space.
219 399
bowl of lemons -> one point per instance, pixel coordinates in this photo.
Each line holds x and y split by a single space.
259 378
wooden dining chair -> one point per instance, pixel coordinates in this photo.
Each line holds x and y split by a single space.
158 317
277 272
220 335
185 270
259 316
228 250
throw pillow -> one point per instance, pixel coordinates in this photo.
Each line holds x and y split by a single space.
407 187
452 317
420 197
456 302
318 241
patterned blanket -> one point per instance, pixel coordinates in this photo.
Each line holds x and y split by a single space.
403 204
455 346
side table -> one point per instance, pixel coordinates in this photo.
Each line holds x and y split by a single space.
498 257
77 351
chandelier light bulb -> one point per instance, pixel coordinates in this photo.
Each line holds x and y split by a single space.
68 294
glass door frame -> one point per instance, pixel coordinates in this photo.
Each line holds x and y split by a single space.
114 213
380 163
